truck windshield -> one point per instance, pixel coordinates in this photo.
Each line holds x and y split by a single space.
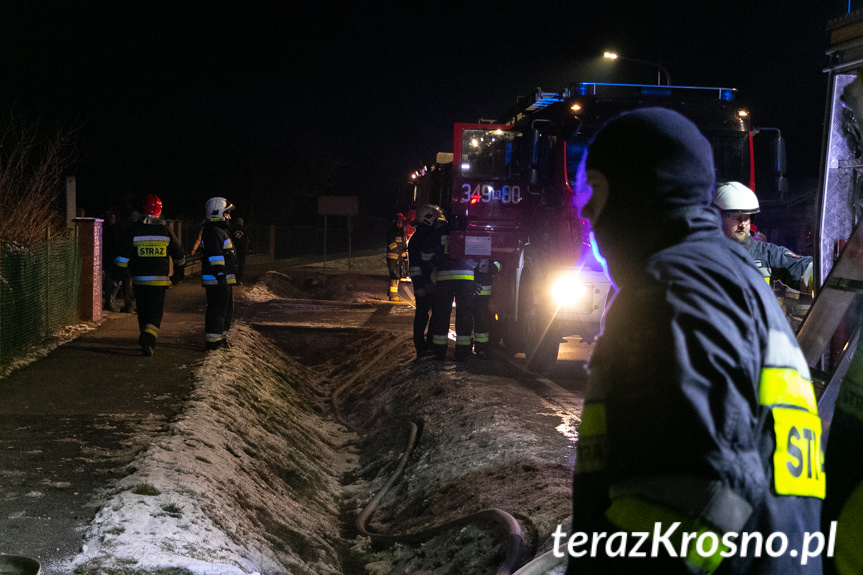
730 155
488 154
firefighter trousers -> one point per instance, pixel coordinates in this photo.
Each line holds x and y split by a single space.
445 292
481 315
481 324
422 340
150 301
217 318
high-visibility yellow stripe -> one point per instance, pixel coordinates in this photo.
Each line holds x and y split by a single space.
785 386
798 468
593 420
634 514
446 275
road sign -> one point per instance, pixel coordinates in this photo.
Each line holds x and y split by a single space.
338 205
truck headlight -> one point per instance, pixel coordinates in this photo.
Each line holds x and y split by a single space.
569 289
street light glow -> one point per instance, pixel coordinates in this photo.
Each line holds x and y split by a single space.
660 69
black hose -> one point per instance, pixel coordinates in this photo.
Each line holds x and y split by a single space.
514 536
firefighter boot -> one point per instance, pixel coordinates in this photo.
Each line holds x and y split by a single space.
147 342
394 290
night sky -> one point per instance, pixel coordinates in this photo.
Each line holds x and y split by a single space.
273 103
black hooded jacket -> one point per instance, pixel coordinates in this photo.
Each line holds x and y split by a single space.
699 405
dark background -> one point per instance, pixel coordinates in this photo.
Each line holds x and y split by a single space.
274 103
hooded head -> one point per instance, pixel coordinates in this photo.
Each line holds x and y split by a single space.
656 165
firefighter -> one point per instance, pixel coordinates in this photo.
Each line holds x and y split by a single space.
421 270
146 252
396 246
699 405
218 271
738 205
454 280
482 294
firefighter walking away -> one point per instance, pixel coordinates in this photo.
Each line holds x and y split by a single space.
218 271
147 251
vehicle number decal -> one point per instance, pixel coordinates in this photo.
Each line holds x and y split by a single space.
485 193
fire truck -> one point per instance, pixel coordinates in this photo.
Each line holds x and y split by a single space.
511 192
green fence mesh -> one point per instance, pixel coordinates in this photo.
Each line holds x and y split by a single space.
38 293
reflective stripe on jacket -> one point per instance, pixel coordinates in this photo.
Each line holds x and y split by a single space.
147 251
219 258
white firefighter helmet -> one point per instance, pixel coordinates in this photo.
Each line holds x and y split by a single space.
735 197
216 208
429 214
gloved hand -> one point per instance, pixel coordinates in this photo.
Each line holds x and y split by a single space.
222 280
179 275
477 288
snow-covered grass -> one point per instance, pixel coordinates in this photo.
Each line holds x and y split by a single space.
245 482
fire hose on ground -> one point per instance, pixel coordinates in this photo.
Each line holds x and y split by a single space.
514 535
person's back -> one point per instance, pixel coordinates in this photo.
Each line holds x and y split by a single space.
728 333
218 254
218 271
148 250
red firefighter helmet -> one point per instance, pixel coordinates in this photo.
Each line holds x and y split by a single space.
152 205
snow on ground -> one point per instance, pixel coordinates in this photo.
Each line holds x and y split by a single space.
243 483
258 476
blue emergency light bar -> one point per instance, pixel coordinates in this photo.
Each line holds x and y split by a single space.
598 88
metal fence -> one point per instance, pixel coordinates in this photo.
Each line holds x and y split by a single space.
38 292
292 241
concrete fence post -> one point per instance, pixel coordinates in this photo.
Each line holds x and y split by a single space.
90 252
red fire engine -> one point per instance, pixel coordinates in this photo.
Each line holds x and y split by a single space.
512 196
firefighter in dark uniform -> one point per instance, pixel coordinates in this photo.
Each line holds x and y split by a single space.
738 204
421 270
481 315
396 245
699 409
454 280
218 271
146 252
